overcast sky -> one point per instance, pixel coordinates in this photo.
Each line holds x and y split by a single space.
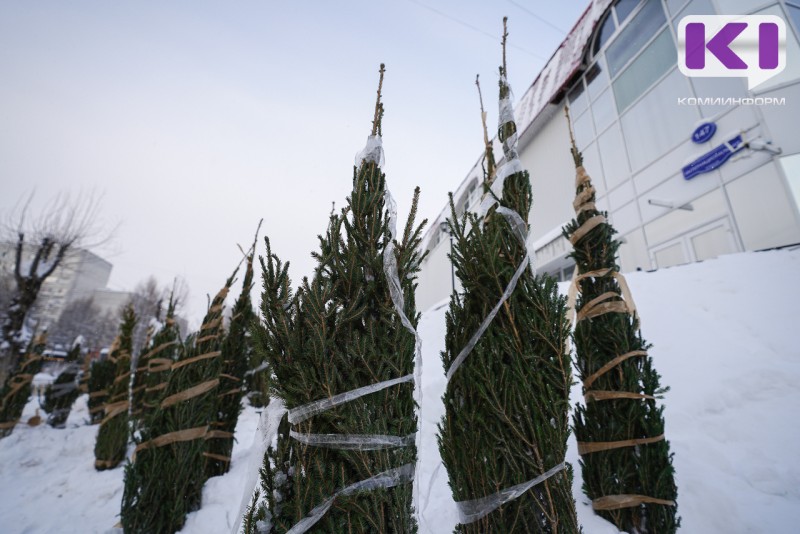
197 119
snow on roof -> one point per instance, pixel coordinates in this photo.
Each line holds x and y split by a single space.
548 87
561 67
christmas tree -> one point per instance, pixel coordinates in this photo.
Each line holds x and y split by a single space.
62 393
236 350
114 433
101 377
162 352
139 378
504 436
342 342
17 388
164 481
626 462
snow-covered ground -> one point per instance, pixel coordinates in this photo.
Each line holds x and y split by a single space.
724 340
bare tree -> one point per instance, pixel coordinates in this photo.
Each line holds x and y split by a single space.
40 243
149 299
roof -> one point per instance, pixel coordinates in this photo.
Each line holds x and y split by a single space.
566 61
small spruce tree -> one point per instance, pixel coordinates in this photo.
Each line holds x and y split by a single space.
626 462
60 396
165 479
17 388
341 332
236 350
114 432
101 377
506 407
139 379
163 351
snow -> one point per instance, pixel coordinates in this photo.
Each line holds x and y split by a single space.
723 336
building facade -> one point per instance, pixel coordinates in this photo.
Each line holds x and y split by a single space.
634 114
81 275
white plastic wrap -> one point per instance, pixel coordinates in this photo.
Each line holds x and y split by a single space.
396 292
517 223
396 289
372 152
520 229
357 442
511 163
485 324
301 413
386 479
265 432
262 367
471 511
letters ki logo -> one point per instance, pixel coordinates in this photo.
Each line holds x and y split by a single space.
752 46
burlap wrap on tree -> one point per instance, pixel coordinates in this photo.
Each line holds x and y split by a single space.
627 466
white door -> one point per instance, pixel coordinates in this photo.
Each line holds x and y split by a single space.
704 243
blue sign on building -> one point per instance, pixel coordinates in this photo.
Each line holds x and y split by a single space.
714 158
704 132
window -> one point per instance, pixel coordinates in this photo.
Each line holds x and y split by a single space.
695 7
616 16
794 13
606 31
624 8
597 78
635 35
577 99
604 111
657 58
464 201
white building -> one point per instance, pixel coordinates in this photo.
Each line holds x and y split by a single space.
634 115
81 275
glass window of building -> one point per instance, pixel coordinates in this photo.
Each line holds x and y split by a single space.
643 72
673 6
607 29
577 99
794 14
739 7
624 8
695 7
635 35
604 111
597 78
